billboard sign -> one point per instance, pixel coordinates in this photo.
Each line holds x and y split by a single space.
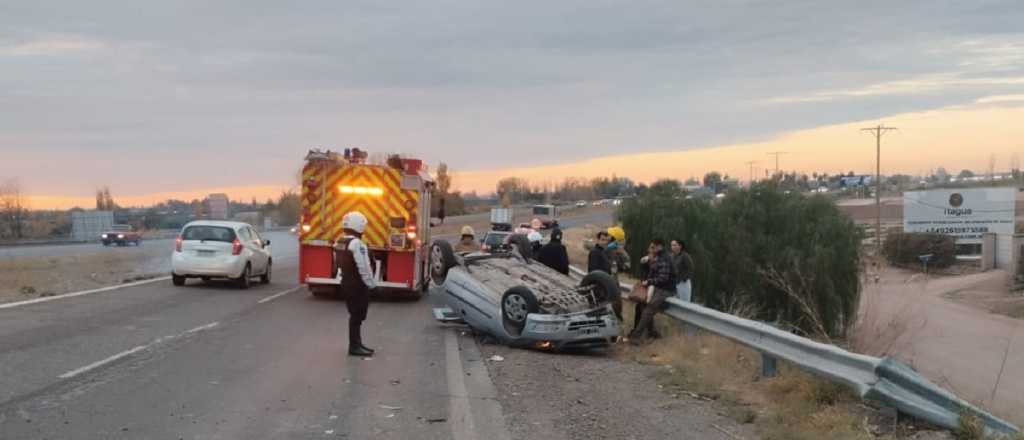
965 213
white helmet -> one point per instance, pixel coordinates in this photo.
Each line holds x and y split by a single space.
535 237
355 221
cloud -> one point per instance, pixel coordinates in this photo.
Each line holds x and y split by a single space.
50 46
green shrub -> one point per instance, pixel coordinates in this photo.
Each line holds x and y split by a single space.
905 249
794 258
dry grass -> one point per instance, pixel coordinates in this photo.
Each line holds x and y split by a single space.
792 405
31 277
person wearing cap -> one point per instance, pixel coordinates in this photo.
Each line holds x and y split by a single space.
467 243
353 260
554 254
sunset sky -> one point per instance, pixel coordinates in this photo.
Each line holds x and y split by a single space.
180 99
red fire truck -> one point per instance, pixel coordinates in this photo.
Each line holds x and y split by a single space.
394 197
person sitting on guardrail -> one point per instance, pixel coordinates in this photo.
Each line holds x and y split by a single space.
554 254
683 264
662 276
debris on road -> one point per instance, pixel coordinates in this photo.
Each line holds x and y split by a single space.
496 358
390 408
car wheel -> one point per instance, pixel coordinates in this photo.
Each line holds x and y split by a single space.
604 286
516 304
442 258
243 281
177 280
265 278
520 243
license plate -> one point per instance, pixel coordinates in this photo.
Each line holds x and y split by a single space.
206 253
588 331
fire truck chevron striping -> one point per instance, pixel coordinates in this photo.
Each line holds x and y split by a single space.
395 198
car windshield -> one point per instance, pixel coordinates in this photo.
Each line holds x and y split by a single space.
209 233
494 239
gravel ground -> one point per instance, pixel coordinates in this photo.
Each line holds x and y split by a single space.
596 396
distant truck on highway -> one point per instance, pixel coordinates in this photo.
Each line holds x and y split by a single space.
547 214
394 197
120 235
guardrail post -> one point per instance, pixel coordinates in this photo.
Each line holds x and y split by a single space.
768 366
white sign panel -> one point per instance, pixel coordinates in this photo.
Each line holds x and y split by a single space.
964 213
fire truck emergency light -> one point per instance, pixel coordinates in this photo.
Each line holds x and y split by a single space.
361 190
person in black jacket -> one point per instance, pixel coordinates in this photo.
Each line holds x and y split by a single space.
599 260
554 255
662 276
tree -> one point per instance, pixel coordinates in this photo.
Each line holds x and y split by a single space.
443 181
965 174
942 175
713 180
104 202
289 208
692 181
13 209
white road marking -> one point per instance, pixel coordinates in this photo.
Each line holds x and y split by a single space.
103 362
84 292
278 295
459 414
132 351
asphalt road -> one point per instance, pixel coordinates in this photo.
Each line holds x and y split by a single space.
214 362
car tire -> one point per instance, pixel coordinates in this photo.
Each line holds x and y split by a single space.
177 280
605 287
520 243
516 304
442 258
265 278
245 279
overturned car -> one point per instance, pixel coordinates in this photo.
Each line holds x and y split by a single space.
521 302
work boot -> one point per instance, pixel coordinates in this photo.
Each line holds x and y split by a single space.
359 351
366 348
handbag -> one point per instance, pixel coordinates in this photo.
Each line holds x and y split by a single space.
641 294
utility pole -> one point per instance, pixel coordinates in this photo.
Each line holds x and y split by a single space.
751 165
877 132
777 154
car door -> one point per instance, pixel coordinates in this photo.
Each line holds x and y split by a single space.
255 246
264 247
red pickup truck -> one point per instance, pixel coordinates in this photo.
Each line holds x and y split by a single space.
121 235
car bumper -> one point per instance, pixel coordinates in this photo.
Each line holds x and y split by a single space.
592 329
216 267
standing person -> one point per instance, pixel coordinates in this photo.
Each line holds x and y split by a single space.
661 276
598 260
683 264
356 278
467 243
554 254
617 252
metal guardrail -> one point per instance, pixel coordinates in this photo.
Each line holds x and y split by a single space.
885 380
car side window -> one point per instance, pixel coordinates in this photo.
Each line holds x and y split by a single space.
256 236
244 233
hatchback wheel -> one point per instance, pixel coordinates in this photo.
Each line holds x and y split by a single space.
244 281
265 278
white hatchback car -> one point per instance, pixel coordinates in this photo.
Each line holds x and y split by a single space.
221 250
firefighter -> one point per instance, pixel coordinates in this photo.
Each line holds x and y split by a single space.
356 278
468 241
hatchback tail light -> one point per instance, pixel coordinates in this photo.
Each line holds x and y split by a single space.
177 244
236 247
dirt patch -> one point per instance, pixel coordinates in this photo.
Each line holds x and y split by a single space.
26 278
992 295
593 396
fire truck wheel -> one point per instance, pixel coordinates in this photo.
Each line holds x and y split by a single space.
442 258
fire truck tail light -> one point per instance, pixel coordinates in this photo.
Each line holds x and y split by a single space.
306 228
411 235
361 190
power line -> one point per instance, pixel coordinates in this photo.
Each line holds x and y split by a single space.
878 132
751 164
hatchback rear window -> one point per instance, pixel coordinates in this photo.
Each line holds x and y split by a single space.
209 233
